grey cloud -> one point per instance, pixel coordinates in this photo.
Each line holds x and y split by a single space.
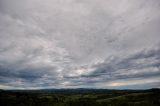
141 60
30 75
144 64
65 43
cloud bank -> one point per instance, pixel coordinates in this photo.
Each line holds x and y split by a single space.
79 43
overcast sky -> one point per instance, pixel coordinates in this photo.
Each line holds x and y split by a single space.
112 44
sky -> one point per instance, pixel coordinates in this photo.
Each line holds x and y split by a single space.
112 44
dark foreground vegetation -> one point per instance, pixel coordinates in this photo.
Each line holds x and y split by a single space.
80 97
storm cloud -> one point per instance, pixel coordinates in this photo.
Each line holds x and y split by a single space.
79 43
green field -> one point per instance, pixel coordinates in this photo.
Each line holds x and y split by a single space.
81 98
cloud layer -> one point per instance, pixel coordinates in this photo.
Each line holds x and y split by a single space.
79 43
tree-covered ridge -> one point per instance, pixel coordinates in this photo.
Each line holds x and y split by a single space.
81 97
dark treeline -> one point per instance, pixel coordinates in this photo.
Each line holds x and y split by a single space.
80 97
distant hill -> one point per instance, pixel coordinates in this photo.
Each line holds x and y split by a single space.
75 91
